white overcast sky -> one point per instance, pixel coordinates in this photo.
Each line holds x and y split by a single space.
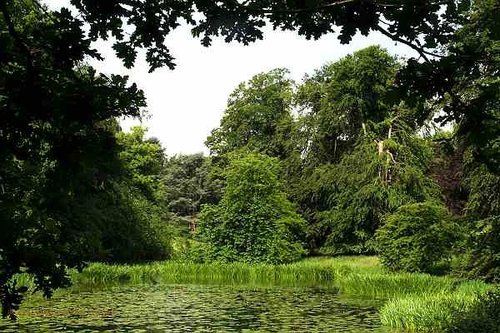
187 103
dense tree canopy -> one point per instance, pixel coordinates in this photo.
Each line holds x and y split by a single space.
463 85
58 152
423 24
386 169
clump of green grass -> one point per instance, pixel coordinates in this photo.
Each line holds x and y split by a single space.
384 285
427 312
220 273
432 311
359 276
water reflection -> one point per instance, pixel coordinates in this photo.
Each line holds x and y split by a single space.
189 308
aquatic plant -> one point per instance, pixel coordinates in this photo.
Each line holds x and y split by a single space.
99 274
435 311
384 285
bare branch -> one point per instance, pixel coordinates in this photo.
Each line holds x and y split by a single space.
420 51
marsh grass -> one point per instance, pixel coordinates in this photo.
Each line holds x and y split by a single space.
383 285
360 276
429 312
299 274
437 311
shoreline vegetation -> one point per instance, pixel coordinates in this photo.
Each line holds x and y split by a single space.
412 302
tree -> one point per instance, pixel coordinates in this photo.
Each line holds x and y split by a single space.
481 257
258 117
135 221
361 155
424 25
341 98
57 143
253 222
463 85
387 168
144 160
189 185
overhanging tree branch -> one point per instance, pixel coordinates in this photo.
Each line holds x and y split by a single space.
423 53
17 38
311 9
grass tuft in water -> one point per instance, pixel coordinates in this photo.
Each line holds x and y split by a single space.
432 312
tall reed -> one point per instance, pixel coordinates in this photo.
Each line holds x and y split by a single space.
432 312
218 273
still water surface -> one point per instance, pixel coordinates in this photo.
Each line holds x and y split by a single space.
190 308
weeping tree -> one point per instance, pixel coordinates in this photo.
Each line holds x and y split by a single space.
340 98
354 127
386 169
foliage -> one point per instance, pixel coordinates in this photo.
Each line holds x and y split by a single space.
133 220
258 117
482 317
464 84
416 237
253 221
58 150
143 159
149 24
370 182
189 184
481 260
362 156
341 98
481 257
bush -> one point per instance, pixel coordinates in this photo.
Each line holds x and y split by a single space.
416 238
254 222
482 259
482 317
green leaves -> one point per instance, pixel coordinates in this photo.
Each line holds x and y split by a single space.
258 117
416 238
253 222
343 97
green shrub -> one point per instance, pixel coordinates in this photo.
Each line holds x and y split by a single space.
416 238
482 259
484 316
254 221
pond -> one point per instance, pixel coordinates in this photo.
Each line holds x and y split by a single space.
191 308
